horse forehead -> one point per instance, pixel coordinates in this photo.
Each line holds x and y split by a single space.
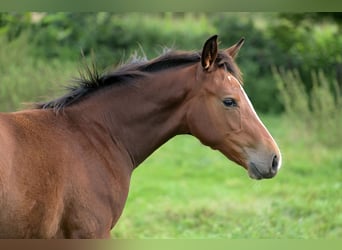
232 82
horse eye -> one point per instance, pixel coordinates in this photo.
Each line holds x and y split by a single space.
229 102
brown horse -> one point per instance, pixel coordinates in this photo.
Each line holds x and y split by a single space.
65 166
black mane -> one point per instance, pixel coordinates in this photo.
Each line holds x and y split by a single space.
91 80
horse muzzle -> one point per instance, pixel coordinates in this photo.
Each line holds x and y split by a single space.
260 171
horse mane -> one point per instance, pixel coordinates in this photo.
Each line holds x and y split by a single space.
90 80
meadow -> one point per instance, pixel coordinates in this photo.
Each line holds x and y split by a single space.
186 190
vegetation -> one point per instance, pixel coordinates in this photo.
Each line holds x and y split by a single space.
292 70
25 79
185 190
305 42
317 111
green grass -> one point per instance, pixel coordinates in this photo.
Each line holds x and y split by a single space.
186 190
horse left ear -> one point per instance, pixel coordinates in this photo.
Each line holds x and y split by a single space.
233 51
209 52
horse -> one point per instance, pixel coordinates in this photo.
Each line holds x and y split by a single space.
66 164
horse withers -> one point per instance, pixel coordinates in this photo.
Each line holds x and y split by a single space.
65 165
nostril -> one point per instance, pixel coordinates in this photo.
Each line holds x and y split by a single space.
275 162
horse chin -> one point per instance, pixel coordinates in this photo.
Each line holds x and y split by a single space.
253 172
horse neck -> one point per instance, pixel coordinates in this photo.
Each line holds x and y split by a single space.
144 115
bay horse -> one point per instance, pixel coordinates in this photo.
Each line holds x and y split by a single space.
65 165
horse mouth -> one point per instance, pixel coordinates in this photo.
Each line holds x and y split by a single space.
254 172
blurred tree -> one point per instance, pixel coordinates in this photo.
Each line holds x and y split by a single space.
12 24
303 41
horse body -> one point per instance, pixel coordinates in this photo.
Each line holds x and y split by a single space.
65 173
76 185
51 191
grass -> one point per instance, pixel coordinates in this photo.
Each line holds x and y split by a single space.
186 190
320 108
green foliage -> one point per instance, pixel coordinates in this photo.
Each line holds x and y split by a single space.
309 47
12 24
114 36
303 41
317 111
27 79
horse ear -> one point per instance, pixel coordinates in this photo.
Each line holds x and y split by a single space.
233 51
209 52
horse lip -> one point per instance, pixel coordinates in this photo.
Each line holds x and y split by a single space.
254 172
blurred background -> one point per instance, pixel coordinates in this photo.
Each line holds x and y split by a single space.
292 69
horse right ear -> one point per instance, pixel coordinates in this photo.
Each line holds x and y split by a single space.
209 52
234 50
